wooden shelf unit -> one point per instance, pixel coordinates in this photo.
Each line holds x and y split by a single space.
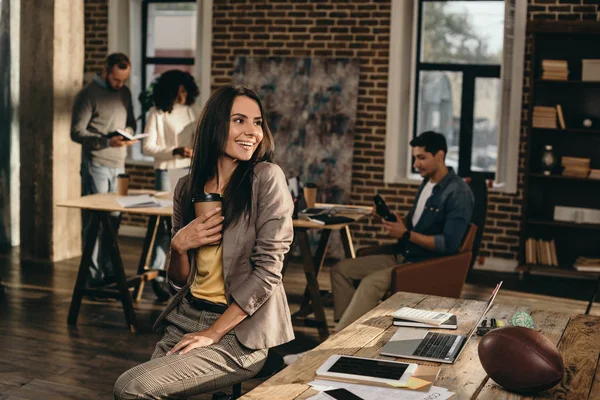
571 41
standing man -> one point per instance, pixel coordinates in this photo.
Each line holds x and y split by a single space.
101 107
434 227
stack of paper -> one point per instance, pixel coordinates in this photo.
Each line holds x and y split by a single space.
587 264
142 201
379 393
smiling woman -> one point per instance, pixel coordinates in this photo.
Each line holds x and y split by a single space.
227 269
245 129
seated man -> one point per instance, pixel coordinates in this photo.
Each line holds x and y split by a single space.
435 226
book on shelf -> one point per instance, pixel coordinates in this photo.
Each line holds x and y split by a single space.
561 117
594 174
587 264
542 252
544 117
555 70
576 167
590 70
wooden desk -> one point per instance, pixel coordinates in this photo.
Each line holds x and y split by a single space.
312 264
578 339
101 205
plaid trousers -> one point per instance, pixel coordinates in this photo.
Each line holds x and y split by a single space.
201 370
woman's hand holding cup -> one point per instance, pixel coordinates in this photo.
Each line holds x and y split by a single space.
202 231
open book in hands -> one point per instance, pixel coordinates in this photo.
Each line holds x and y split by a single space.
128 136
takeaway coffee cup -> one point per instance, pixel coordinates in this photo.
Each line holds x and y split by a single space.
204 202
310 194
123 184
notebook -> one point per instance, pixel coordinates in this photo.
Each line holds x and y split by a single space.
450 323
424 316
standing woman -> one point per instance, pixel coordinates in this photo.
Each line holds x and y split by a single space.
170 124
231 305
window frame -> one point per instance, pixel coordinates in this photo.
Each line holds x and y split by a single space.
470 73
400 95
158 60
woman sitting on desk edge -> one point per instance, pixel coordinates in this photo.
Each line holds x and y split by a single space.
230 311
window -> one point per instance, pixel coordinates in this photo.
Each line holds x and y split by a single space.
458 65
148 25
168 41
161 48
459 53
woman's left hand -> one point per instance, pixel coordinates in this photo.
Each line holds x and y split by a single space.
190 341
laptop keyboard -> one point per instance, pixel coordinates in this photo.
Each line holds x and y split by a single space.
435 345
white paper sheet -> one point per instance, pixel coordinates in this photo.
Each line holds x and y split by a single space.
141 201
378 393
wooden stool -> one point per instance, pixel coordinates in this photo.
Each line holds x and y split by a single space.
273 364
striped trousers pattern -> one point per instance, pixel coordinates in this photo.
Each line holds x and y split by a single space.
201 370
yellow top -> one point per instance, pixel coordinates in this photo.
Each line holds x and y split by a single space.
209 283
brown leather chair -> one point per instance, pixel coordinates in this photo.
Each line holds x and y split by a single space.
441 276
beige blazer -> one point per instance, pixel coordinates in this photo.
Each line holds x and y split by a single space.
253 252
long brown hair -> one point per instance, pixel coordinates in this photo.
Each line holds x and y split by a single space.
209 144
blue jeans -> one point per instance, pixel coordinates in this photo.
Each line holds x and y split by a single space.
163 236
96 178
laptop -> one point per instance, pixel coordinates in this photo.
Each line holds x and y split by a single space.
415 343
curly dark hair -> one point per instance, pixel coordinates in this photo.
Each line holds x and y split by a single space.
164 91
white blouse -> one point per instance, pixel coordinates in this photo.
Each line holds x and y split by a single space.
168 131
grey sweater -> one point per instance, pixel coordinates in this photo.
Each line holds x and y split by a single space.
98 111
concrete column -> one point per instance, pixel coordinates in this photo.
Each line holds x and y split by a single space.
9 123
5 114
52 54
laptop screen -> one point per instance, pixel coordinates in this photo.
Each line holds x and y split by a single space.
487 308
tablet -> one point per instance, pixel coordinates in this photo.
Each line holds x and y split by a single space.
367 370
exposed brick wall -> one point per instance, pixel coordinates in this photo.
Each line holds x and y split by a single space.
564 10
358 29
361 30
96 35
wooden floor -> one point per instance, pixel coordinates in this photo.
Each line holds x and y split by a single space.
42 358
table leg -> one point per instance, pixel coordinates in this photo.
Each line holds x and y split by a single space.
121 279
347 242
589 307
313 284
319 259
153 223
83 273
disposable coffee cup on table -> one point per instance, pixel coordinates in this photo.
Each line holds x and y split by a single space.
310 194
204 202
123 184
